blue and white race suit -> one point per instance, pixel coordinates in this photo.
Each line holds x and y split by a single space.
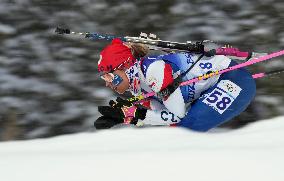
199 106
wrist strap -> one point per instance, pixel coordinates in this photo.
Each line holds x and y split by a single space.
129 111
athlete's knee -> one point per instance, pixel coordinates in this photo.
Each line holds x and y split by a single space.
195 125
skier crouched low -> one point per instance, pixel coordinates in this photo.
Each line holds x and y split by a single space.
199 106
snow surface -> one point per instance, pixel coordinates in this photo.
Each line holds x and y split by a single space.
252 153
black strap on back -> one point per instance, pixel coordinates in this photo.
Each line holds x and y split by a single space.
177 81
189 69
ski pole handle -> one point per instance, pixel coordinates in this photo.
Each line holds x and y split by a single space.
230 51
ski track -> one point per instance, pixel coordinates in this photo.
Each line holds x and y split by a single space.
255 152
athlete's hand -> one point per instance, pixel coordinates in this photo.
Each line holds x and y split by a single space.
120 103
105 122
124 113
123 109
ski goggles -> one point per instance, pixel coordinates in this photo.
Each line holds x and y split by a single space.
114 79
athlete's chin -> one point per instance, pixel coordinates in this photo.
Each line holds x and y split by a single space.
120 89
120 92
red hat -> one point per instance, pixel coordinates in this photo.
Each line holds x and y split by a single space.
114 56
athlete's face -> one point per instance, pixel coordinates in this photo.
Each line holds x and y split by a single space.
117 81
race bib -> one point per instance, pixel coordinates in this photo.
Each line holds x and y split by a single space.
222 96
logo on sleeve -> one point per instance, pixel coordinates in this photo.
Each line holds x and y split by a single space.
152 82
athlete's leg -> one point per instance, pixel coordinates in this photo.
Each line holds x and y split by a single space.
222 102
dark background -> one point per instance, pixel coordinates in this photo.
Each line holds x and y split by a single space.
49 84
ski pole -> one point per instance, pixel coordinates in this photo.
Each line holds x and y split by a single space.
255 76
219 72
267 74
241 65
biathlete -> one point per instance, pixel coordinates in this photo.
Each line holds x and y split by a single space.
199 106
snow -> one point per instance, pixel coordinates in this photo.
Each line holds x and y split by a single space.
255 152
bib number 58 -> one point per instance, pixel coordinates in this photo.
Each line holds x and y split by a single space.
218 100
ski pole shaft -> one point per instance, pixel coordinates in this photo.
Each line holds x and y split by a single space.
266 74
241 65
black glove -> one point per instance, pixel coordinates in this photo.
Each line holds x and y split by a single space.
116 110
104 122
111 112
120 103
117 113
140 112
